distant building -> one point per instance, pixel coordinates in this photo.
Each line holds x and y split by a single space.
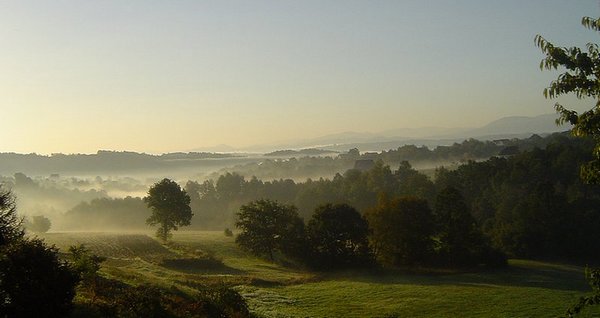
364 164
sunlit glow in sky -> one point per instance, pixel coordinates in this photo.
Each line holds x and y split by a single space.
157 76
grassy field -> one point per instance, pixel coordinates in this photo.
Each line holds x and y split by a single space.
525 289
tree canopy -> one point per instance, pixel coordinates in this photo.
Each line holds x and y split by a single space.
402 231
337 234
170 207
269 227
582 78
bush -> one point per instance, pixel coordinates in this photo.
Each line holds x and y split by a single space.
35 283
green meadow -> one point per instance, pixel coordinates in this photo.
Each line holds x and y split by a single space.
524 289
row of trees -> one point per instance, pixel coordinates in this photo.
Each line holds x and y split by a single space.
400 231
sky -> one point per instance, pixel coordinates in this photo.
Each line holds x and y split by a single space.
159 76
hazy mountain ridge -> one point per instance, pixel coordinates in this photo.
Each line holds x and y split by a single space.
122 161
506 127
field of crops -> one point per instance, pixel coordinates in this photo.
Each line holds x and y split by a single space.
525 289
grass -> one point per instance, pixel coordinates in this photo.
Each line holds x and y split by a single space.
525 289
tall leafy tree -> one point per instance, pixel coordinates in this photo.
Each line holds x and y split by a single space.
582 78
461 242
337 234
402 231
269 227
10 224
170 207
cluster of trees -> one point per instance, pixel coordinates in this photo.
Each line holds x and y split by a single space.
400 231
307 164
531 204
99 214
215 203
297 168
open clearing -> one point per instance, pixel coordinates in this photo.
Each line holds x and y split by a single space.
525 289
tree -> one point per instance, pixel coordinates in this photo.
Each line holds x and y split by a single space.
337 235
593 277
402 231
38 224
10 224
34 282
461 242
170 207
269 227
582 78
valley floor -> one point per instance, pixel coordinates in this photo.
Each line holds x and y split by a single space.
525 289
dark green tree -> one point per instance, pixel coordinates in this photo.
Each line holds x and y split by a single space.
269 227
170 207
10 224
337 235
460 240
582 78
34 282
402 231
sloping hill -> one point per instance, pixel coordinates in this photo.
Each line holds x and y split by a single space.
518 125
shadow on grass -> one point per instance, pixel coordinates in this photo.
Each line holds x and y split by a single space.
518 274
199 266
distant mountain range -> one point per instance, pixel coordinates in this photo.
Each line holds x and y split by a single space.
507 127
517 125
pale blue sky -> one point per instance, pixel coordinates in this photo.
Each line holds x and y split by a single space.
78 76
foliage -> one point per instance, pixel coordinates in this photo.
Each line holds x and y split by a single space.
533 204
593 277
34 281
113 213
337 235
460 240
38 224
170 207
86 265
269 227
228 232
10 224
582 78
402 231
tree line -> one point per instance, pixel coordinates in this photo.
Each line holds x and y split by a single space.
531 204
306 165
